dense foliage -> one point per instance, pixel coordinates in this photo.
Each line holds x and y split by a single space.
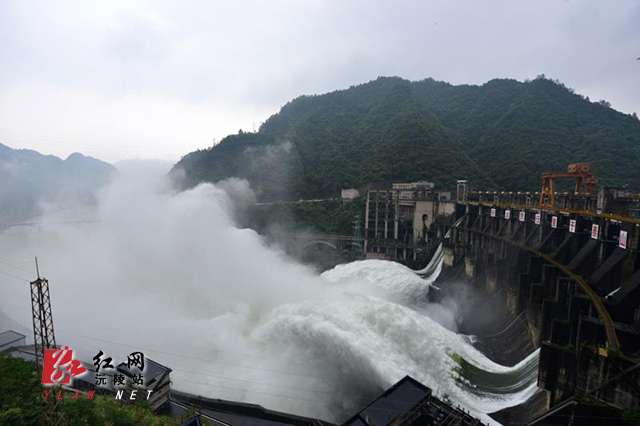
326 217
500 135
23 403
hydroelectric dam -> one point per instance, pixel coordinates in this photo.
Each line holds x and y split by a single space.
552 285
510 308
560 273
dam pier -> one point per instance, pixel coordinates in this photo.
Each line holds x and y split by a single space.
568 269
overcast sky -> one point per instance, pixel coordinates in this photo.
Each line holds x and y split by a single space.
158 79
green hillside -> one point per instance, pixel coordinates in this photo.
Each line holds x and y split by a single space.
500 135
29 181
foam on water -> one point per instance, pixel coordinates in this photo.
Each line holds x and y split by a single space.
413 343
436 262
372 339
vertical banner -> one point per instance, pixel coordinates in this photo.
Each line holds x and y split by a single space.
595 230
554 222
493 212
622 242
521 216
572 226
507 214
538 218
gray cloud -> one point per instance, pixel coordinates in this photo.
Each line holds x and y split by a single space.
158 79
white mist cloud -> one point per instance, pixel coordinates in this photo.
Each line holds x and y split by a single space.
167 273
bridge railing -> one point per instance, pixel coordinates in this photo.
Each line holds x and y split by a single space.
318 237
593 213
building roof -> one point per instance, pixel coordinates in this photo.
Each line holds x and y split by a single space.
242 413
9 337
152 371
399 399
25 352
410 403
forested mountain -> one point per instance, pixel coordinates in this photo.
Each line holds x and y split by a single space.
500 135
29 181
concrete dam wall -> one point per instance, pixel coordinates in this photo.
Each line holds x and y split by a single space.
566 284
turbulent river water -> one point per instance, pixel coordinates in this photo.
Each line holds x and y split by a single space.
169 273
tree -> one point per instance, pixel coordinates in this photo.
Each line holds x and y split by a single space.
22 402
500 136
20 390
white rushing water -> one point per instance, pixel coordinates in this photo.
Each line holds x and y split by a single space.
433 268
169 274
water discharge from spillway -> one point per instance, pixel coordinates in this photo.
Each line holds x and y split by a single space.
168 273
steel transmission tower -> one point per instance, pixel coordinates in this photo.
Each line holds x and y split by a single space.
43 335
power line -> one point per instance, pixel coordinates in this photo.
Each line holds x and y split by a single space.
369 399
251 391
123 294
219 362
14 276
207 373
451 407
138 335
204 372
16 267
164 340
210 374
199 359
